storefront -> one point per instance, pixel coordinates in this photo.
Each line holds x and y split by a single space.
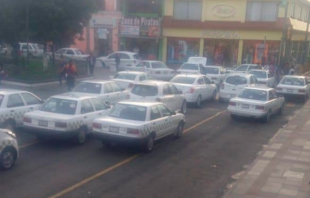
179 49
140 35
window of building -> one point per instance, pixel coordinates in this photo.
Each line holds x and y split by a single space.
261 11
187 10
144 6
297 12
292 9
180 49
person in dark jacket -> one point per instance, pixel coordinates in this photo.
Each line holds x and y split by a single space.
91 63
117 60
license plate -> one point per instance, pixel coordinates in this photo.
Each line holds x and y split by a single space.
290 90
43 123
114 129
245 106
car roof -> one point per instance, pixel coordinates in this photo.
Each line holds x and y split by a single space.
249 64
126 52
259 70
69 48
97 81
294 76
140 103
262 88
152 61
153 82
214 66
191 75
71 96
131 72
240 74
194 63
11 91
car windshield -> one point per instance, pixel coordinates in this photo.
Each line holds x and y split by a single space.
128 112
145 90
253 94
158 65
293 81
242 68
212 70
190 66
126 76
61 106
183 80
85 87
236 80
259 74
78 52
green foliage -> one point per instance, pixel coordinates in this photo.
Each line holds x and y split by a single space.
49 20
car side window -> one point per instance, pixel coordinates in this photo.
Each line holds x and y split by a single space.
252 67
271 96
200 81
251 80
269 76
86 107
24 47
242 68
124 56
98 104
15 100
255 80
142 78
62 51
166 90
207 81
165 112
108 88
173 89
116 87
275 93
155 114
112 56
146 64
31 99
70 52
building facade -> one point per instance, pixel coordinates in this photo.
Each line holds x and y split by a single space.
233 32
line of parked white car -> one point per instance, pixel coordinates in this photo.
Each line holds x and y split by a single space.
135 108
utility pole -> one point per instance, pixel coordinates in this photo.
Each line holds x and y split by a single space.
27 30
282 50
306 44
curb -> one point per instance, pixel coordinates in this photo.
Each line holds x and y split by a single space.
5 82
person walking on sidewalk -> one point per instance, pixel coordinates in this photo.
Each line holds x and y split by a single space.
61 69
117 61
91 63
71 74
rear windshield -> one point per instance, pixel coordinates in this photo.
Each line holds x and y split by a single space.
253 94
93 88
259 74
61 106
183 80
128 112
212 70
125 76
293 81
158 65
190 66
145 90
236 80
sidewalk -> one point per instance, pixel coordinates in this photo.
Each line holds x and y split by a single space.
283 168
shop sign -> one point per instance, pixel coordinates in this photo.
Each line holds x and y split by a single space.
140 26
223 11
102 22
221 34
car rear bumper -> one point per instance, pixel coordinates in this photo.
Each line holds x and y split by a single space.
49 132
246 113
191 98
109 138
226 96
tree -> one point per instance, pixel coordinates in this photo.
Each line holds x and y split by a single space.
58 21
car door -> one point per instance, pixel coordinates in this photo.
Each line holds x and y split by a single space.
118 93
168 98
101 109
142 77
158 122
209 90
278 101
32 101
108 93
272 102
111 60
178 97
126 63
88 112
202 69
16 108
169 122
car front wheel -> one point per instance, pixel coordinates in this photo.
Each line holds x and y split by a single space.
7 158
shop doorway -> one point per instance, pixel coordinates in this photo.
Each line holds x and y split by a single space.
103 41
146 48
221 52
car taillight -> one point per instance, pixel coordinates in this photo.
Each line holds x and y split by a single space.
279 89
222 86
301 91
258 107
232 104
130 85
60 124
158 100
97 126
191 90
133 131
26 119
213 78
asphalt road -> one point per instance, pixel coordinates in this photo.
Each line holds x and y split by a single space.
201 164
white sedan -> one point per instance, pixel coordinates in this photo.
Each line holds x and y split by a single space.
196 87
294 86
138 122
108 91
72 53
66 117
191 68
8 149
157 69
264 77
160 91
128 60
127 79
256 103
217 74
245 68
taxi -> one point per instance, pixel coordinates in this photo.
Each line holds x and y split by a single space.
65 116
217 74
297 86
156 69
138 123
264 77
14 104
257 103
191 68
127 79
196 87
8 149
108 91
160 91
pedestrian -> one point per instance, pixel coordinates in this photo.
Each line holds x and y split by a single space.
3 74
61 69
267 67
291 71
71 74
91 63
117 61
